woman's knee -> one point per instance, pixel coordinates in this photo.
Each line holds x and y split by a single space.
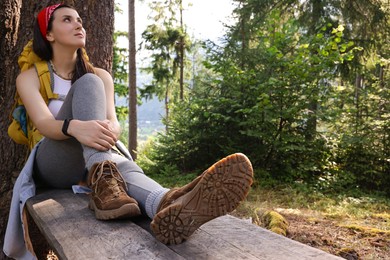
89 83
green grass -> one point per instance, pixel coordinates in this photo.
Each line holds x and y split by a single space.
352 204
333 204
169 178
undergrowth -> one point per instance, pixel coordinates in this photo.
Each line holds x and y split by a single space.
349 206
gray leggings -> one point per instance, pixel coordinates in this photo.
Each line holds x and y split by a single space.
61 164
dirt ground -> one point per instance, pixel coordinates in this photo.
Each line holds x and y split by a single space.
349 240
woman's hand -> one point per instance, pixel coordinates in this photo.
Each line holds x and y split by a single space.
98 134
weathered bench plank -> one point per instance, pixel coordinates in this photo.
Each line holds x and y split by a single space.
261 242
74 233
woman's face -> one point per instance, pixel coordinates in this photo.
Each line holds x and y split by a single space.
67 28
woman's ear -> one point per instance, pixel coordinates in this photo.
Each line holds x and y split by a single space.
49 37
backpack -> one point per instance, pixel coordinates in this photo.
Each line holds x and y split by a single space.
21 130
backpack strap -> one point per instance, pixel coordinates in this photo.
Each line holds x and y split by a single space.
28 57
46 80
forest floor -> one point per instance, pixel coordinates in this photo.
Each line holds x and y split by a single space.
355 241
349 227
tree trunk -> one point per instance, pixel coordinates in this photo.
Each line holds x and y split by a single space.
317 12
12 155
181 53
16 28
358 86
166 107
132 83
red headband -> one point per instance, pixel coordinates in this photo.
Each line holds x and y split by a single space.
44 18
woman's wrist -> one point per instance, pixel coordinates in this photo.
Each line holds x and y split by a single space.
117 129
65 126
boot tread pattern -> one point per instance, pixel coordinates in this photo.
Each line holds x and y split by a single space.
221 189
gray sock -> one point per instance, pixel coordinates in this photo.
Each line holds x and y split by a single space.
153 201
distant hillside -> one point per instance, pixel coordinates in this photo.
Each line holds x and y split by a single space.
151 110
149 113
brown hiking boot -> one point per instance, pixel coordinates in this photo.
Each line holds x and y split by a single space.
218 191
109 199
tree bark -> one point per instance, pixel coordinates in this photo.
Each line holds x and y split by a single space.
358 87
181 80
132 83
12 155
16 28
98 21
314 17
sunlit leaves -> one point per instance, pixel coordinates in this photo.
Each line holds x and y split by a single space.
275 63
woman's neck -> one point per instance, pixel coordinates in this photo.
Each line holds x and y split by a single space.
63 65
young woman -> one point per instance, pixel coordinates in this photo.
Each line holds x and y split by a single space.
81 130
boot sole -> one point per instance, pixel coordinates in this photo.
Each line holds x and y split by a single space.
125 211
223 186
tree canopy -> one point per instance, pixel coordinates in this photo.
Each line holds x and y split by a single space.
301 87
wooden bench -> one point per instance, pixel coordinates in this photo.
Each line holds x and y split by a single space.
73 232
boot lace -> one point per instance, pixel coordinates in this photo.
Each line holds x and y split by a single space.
108 172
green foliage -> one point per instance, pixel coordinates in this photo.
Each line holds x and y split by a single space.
259 110
167 174
269 82
362 131
120 74
125 132
120 78
164 39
